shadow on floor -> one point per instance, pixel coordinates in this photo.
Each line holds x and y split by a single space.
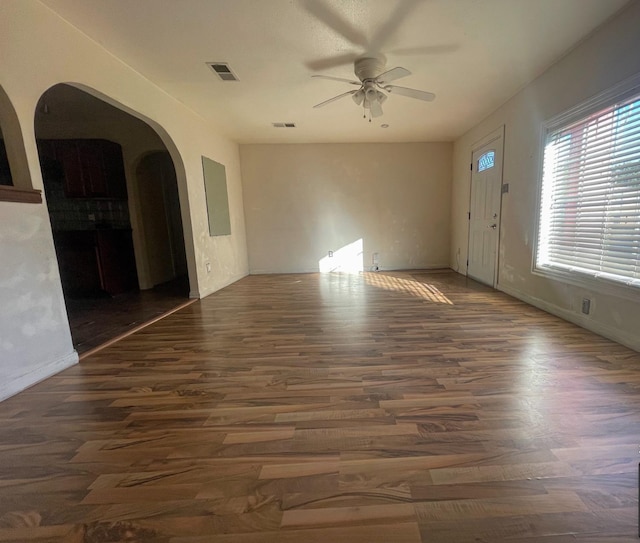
94 321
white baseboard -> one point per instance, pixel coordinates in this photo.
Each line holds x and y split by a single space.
628 340
20 383
265 271
268 271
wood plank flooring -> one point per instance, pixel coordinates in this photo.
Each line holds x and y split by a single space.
388 407
99 320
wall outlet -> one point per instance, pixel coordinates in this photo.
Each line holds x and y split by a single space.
586 305
208 266
330 254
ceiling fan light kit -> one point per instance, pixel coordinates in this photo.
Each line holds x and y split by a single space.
372 80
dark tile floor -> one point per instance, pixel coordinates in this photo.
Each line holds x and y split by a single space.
94 321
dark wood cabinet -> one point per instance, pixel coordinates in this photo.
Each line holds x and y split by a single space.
66 152
116 261
94 262
93 168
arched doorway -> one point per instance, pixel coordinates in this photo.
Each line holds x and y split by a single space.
106 245
161 220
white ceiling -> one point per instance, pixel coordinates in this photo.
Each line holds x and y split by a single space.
473 54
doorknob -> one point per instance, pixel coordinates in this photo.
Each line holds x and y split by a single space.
493 226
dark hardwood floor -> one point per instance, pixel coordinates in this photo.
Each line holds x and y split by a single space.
96 320
389 407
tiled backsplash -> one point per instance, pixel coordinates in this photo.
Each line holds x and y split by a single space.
83 213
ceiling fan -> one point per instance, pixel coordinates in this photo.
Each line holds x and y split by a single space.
372 81
369 62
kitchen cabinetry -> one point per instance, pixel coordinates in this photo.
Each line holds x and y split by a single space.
93 168
116 261
94 262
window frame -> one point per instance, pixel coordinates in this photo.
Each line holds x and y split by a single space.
622 91
481 167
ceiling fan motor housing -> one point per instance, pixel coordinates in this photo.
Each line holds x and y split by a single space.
369 68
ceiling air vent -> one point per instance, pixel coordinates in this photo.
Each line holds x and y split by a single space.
223 71
284 125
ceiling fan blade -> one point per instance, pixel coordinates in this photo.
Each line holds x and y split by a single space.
376 108
411 93
392 75
392 24
322 104
342 79
331 62
334 21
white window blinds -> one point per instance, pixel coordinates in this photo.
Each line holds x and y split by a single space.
590 205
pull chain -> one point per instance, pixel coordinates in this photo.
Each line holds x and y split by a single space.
364 113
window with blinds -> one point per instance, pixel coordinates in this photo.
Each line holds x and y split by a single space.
590 200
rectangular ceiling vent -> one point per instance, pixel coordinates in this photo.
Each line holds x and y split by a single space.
284 125
223 71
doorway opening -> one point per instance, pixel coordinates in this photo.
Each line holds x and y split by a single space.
112 196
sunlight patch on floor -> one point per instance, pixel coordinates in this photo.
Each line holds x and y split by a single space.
409 286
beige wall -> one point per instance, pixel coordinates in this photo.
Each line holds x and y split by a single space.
39 50
302 201
607 57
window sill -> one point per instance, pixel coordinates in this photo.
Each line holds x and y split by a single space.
15 194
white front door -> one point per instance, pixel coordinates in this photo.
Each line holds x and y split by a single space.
484 209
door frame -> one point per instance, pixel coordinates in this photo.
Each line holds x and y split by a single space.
143 256
492 136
